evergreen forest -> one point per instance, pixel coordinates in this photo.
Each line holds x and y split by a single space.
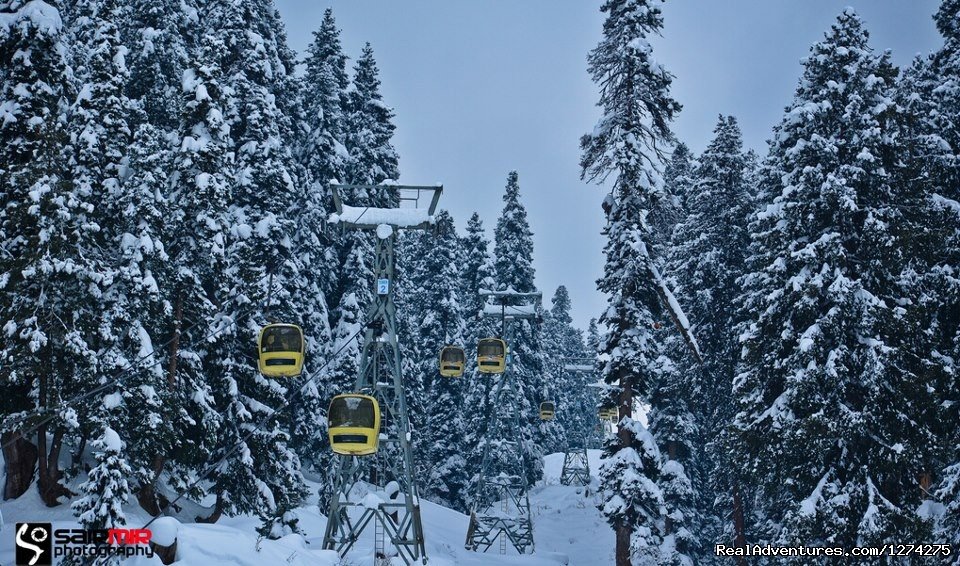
781 337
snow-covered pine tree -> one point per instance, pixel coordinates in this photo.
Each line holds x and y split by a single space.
678 179
929 92
161 37
263 475
476 274
133 306
322 156
598 398
100 505
593 337
477 267
432 314
627 143
837 461
200 192
369 130
513 264
575 403
706 259
53 265
325 86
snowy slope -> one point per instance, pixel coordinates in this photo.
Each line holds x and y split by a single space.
567 529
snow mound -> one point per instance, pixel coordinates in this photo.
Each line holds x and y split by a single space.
164 531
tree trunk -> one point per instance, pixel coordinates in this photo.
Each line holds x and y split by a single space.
624 530
48 474
623 545
175 342
48 480
217 512
147 494
739 534
19 456
672 455
77 458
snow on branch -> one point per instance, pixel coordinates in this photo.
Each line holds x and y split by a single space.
670 302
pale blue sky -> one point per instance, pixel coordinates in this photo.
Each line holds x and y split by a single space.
483 87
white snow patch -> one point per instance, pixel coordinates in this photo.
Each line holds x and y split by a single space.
397 217
384 231
111 440
808 507
164 531
112 401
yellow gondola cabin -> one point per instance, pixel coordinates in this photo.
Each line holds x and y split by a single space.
491 355
609 414
547 410
281 350
353 424
452 361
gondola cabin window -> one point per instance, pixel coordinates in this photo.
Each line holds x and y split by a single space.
452 361
491 355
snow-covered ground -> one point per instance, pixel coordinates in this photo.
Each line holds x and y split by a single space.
567 529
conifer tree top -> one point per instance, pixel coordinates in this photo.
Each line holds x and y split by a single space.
561 306
326 49
514 242
631 136
948 20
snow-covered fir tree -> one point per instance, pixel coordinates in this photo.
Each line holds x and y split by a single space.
53 266
429 303
575 403
321 153
837 462
109 160
161 36
201 193
372 160
678 179
706 258
260 473
369 131
929 93
513 271
100 505
476 274
627 144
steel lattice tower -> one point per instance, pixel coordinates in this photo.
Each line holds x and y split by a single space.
576 465
501 506
395 512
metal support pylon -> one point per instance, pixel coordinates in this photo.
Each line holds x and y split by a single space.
576 464
394 510
501 505
576 467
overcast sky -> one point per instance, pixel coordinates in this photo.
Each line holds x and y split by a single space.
484 87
